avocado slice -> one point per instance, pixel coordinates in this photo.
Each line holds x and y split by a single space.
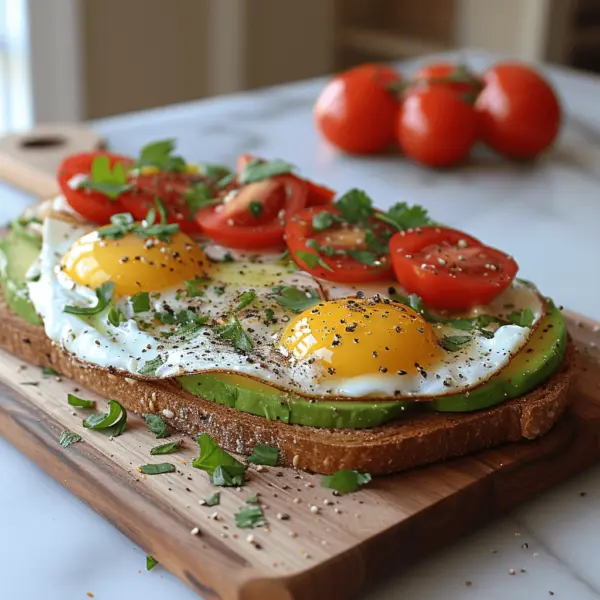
18 250
537 361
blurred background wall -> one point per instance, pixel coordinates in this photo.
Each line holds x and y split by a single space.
80 59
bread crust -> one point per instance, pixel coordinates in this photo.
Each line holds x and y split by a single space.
395 446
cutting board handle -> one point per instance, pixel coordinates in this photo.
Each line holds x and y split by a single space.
29 160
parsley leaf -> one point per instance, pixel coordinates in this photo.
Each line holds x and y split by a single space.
199 196
123 223
323 220
356 206
150 366
252 499
345 481
151 562
113 422
160 155
453 343
79 402
270 315
364 257
296 300
263 454
193 287
165 448
213 499
249 517
157 469
222 468
68 437
49 371
214 172
312 260
235 333
115 316
523 318
166 317
157 425
109 182
378 244
404 217
245 300
257 170
256 208
140 302
104 294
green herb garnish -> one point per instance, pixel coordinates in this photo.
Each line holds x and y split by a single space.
404 217
256 208
252 499
323 220
312 260
213 499
453 343
245 300
364 257
214 172
263 454
523 318
32 383
355 206
140 302
199 196
123 224
194 287
222 468
151 562
165 448
68 437
115 316
160 155
270 315
111 182
257 170
49 371
113 422
249 517
296 300
345 481
157 469
80 402
150 366
157 425
104 295
235 333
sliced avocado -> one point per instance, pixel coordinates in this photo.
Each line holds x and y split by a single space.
540 357
535 363
263 400
18 250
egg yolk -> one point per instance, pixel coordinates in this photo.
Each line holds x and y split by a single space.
362 336
133 263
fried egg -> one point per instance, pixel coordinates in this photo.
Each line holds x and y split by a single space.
206 313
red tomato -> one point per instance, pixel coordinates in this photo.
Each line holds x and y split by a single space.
316 194
93 206
228 227
356 112
519 113
449 269
170 187
300 235
436 127
456 78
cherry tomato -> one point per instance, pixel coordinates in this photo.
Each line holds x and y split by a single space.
456 78
519 113
316 194
93 206
332 245
356 112
436 127
170 187
449 269
230 227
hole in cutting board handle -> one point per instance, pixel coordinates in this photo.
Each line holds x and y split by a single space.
43 142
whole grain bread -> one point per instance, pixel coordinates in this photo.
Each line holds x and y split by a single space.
416 440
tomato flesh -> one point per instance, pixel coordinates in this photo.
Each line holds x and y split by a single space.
449 269
341 268
246 232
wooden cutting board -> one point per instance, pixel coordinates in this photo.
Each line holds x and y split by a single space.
326 553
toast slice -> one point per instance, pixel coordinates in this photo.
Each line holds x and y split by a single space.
402 444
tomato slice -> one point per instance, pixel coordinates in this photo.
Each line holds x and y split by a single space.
170 187
449 269
332 247
233 223
92 205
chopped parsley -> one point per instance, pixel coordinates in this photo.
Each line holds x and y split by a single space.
157 425
213 172
157 469
263 454
257 170
194 287
113 422
523 318
222 468
364 257
168 448
345 481
323 220
312 260
294 299
402 216
104 295
355 206
250 516
151 562
115 316
234 332
160 155
213 499
150 366
270 315
68 437
111 182
123 224
140 302
245 300
199 196
453 343
256 208
80 402
49 371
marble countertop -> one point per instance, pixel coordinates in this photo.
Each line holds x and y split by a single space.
547 215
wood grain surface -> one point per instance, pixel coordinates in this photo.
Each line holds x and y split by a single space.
30 160
351 541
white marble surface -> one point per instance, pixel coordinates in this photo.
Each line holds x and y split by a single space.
547 215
